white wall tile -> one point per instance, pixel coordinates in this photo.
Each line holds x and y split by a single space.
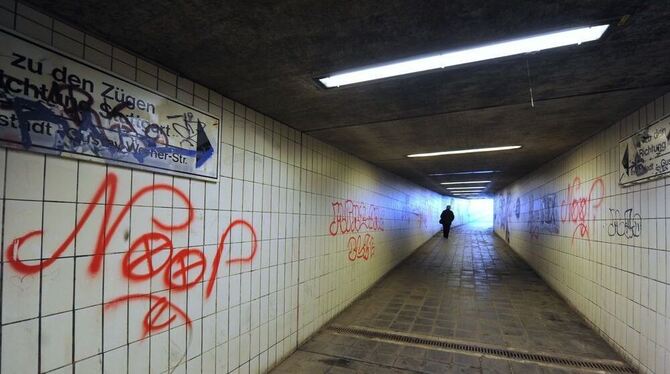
25 175
58 286
20 347
56 341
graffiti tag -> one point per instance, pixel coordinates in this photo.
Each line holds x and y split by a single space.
579 205
362 247
628 225
151 256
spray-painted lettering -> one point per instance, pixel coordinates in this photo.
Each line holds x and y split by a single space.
361 247
352 217
151 255
577 209
629 225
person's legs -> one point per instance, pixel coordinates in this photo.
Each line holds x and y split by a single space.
445 231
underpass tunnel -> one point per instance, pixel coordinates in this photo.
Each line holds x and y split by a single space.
334 187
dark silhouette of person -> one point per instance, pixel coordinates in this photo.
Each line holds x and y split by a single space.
446 218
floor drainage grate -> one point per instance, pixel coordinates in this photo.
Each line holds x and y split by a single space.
609 366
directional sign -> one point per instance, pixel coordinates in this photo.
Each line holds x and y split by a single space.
56 104
646 154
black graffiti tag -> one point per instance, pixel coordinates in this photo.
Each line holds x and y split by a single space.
187 129
629 225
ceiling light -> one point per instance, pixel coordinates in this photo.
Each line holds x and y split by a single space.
468 55
466 182
462 151
464 172
467 188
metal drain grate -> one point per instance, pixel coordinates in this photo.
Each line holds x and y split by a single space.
610 366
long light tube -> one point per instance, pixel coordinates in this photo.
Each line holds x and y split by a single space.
466 182
463 151
467 188
468 55
463 173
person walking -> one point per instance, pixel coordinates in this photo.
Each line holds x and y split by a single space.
446 218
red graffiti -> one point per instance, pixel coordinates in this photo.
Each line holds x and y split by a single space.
179 278
160 307
219 252
577 207
107 229
361 247
147 240
352 217
151 255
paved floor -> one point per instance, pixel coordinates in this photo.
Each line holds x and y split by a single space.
469 288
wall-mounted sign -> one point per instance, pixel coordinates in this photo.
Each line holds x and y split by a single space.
645 155
56 104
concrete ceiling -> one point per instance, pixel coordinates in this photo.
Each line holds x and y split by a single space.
266 54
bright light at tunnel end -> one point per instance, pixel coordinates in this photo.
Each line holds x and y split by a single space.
465 56
464 151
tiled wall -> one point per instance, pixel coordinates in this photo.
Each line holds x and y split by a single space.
66 315
562 219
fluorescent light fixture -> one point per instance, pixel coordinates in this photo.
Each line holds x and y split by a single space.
466 182
468 55
464 173
462 151
467 188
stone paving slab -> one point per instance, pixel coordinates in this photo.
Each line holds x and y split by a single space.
471 287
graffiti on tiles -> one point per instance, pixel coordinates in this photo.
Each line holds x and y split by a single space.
503 213
580 206
151 259
627 225
517 208
360 247
358 220
352 217
543 215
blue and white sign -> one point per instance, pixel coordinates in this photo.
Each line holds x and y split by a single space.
56 104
